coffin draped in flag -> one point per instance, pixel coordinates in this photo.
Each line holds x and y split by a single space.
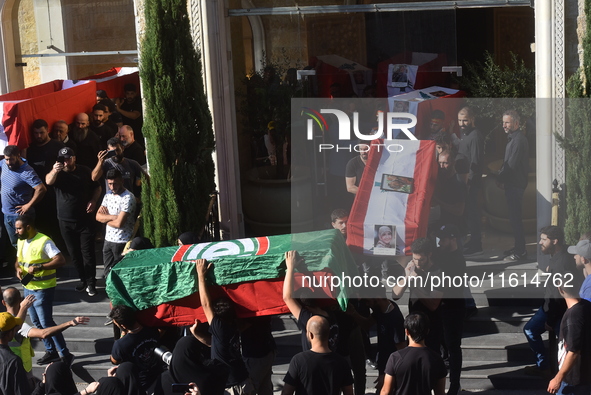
162 282
392 205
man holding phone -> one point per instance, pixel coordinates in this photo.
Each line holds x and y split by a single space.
76 204
113 159
36 262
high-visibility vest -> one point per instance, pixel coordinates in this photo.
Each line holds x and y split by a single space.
24 350
34 255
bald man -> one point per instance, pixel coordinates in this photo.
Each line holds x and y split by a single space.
131 148
318 370
87 141
20 345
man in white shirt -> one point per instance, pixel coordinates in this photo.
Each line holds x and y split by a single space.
117 211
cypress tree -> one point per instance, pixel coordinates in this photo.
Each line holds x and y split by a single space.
177 125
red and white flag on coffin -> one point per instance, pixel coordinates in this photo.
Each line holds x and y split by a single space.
392 205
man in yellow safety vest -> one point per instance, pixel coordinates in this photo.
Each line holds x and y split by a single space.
37 259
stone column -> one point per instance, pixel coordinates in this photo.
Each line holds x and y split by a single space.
544 48
210 28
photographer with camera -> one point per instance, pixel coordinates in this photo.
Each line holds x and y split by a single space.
137 345
190 362
77 198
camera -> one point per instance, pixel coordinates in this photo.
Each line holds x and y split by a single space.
164 354
111 153
61 159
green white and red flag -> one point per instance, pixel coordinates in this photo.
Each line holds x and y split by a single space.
162 282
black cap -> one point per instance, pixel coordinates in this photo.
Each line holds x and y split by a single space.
66 152
449 230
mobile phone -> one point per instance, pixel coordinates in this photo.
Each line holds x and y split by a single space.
178 388
111 153
27 279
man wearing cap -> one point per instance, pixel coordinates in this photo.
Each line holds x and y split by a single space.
36 264
452 263
20 187
582 253
77 202
13 377
550 313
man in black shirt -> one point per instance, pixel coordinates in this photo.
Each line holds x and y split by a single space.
355 168
472 149
452 264
390 327
225 339
450 193
131 148
551 312
43 151
513 178
416 369
130 109
98 125
86 140
258 352
423 297
574 347
41 155
77 201
137 345
318 370
60 131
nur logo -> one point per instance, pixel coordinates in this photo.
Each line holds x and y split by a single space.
344 124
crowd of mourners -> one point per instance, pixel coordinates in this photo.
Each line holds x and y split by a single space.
80 182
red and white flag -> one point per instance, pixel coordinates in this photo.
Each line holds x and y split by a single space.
392 205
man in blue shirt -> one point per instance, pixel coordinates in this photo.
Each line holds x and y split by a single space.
21 189
582 253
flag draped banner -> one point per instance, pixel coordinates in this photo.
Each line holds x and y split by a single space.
394 194
162 282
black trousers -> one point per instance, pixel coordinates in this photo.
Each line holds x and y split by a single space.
79 239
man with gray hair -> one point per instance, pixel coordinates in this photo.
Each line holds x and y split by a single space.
60 131
513 179
131 148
